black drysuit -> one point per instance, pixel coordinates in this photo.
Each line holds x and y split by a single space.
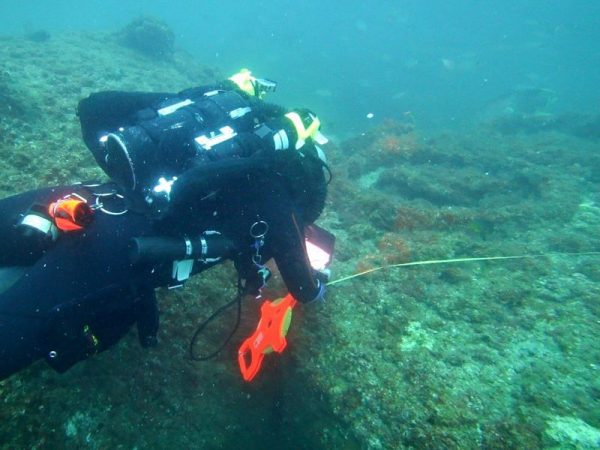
82 294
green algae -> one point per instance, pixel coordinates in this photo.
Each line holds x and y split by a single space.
571 433
149 36
498 347
479 355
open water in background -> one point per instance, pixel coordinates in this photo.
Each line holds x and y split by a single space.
444 62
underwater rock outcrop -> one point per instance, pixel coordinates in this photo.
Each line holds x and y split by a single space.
38 36
149 36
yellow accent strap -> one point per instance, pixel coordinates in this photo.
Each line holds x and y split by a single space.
303 132
458 260
245 81
92 338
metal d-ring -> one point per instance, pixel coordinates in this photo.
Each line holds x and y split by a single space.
99 205
259 229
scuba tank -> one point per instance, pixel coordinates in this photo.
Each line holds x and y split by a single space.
210 246
164 140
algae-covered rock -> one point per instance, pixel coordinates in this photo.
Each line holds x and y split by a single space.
571 433
150 36
13 101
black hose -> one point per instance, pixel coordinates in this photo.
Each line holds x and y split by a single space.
193 356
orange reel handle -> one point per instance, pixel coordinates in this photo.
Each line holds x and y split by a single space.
249 368
269 335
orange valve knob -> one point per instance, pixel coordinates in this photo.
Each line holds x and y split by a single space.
70 214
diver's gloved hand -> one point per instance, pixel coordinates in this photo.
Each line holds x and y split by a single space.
323 275
257 87
321 291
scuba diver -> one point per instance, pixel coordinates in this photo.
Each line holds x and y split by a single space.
149 142
199 177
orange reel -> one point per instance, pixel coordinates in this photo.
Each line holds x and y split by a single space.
269 335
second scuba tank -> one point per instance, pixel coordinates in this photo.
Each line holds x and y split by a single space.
210 245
